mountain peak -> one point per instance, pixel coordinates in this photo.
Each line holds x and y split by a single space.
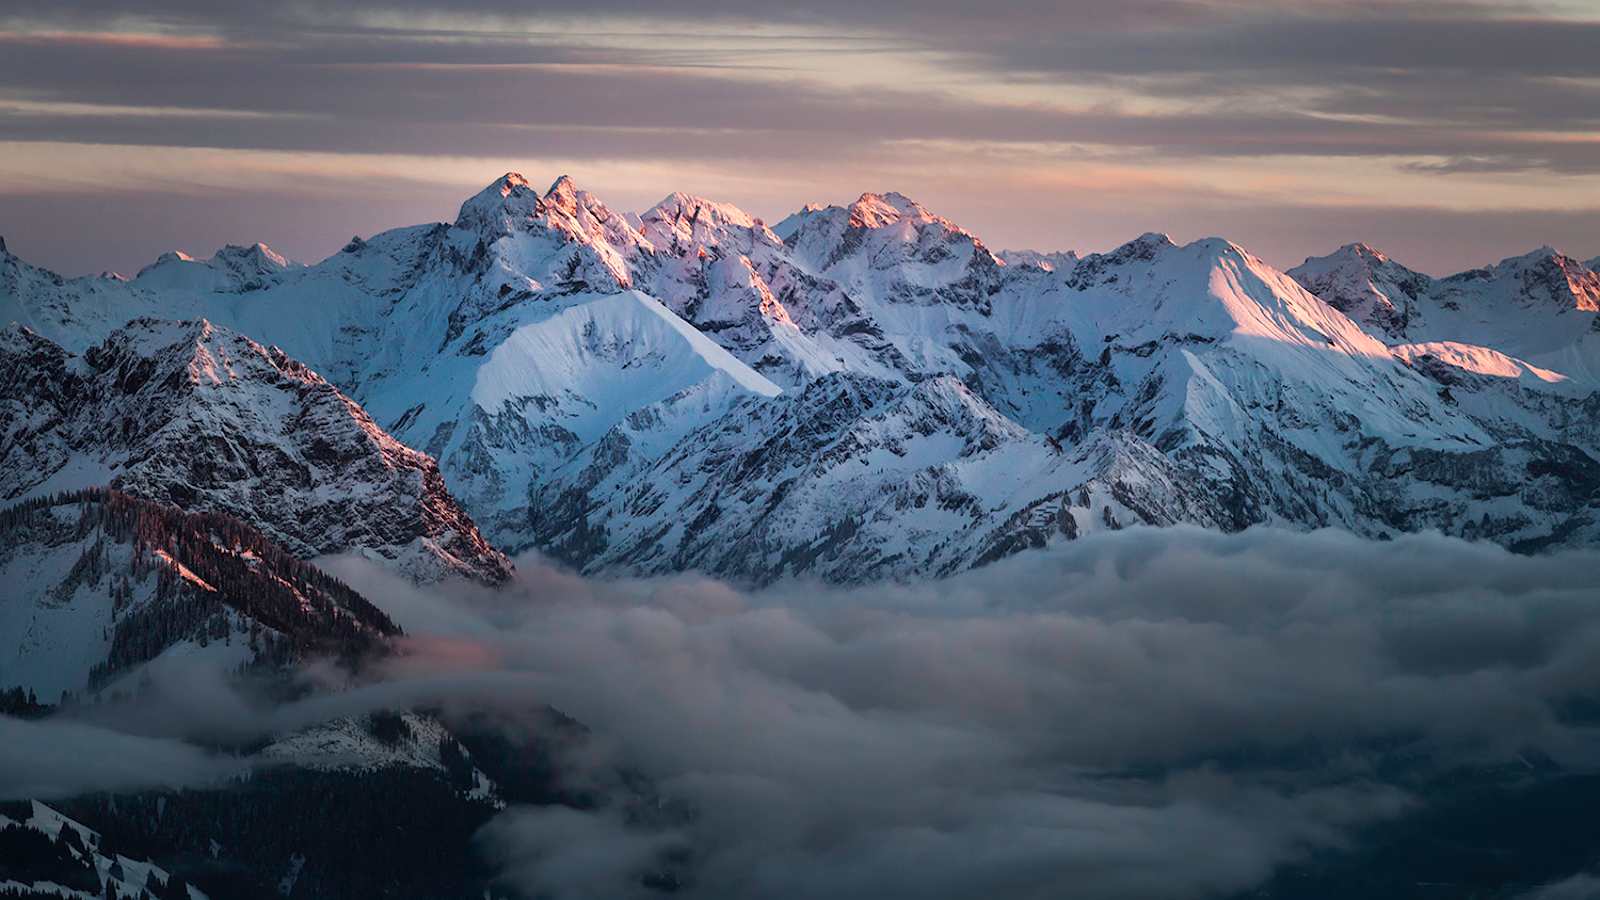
258 255
506 198
1353 259
1361 250
877 210
690 223
563 195
165 263
1545 257
1535 256
1049 261
1145 246
232 269
1214 246
147 335
506 184
678 205
1362 282
1547 272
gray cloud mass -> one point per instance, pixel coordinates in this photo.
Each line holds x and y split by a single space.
1148 713
1060 718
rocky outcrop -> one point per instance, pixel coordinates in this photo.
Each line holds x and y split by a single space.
195 415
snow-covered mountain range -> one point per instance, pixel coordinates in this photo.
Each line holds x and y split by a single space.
855 392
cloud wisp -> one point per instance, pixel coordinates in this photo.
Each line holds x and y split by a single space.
53 759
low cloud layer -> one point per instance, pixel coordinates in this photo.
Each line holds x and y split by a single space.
1149 713
1074 717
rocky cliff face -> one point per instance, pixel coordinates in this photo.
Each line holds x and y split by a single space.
192 414
100 582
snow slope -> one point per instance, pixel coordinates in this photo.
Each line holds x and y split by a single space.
102 864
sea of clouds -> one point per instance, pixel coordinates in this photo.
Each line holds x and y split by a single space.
1148 713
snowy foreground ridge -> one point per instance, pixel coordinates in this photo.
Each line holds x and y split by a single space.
855 392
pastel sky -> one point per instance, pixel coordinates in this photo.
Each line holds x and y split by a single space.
1450 133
